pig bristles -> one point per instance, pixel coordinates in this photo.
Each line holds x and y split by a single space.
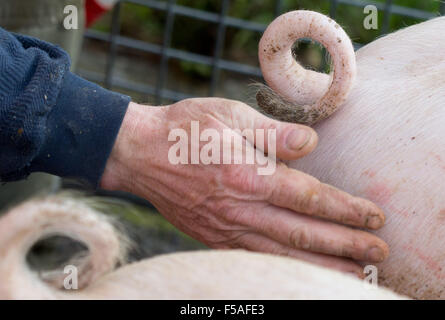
67 215
294 93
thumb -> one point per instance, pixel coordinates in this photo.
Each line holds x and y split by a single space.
293 141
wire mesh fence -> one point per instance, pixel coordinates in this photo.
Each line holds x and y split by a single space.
216 61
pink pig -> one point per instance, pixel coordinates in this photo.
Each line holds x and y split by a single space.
215 274
385 142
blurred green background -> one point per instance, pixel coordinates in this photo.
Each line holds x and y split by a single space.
196 36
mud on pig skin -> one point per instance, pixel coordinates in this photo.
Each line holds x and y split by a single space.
386 143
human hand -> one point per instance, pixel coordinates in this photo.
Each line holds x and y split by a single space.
231 205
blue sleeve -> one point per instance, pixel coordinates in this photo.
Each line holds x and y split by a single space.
50 119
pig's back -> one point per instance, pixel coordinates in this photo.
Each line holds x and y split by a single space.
387 144
229 274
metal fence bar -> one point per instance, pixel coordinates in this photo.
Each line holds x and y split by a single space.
163 67
115 29
201 15
219 46
216 61
134 86
395 9
386 17
176 53
278 8
333 8
239 23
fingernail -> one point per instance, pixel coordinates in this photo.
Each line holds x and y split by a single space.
298 139
374 222
375 254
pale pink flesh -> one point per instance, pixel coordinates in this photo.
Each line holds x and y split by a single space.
215 274
290 80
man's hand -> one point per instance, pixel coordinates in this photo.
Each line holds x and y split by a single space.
231 205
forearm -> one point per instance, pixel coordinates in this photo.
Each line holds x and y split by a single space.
50 119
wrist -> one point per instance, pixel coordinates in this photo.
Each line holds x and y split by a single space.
136 135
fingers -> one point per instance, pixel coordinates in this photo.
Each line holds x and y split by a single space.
292 141
302 232
260 243
289 141
302 193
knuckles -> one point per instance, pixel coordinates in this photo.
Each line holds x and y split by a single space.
301 237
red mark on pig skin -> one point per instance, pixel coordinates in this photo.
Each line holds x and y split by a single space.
379 192
369 173
430 263
441 214
439 160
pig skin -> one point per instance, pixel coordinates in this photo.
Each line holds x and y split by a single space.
231 274
386 143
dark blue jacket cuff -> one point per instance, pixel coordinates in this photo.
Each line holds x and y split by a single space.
81 130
